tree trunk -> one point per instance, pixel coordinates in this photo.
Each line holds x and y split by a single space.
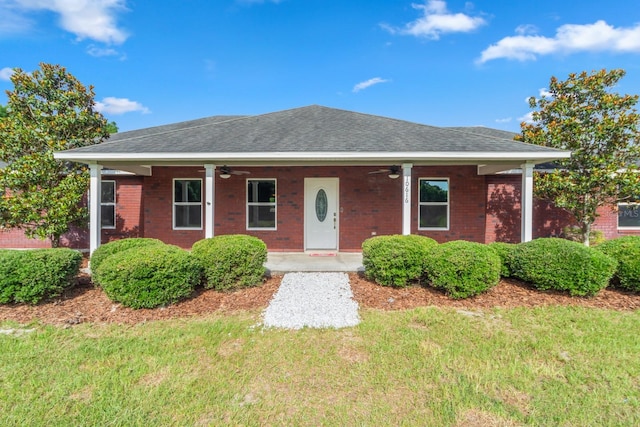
586 232
55 240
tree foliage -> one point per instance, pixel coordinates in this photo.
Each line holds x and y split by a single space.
3 111
112 128
48 110
601 128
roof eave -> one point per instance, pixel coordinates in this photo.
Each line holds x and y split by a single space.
330 157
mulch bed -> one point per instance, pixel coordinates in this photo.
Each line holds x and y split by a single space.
87 303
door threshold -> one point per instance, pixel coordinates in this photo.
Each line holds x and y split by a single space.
321 253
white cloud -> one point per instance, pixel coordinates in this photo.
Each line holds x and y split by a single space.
6 73
526 29
12 21
97 51
368 83
111 105
542 93
437 20
527 118
87 19
569 38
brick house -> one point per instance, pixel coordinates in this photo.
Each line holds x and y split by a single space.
314 179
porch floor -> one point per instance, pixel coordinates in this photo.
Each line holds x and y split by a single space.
285 262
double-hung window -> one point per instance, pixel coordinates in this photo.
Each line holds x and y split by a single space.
261 204
629 215
108 205
187 204
433 204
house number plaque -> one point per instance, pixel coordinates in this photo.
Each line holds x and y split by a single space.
407 186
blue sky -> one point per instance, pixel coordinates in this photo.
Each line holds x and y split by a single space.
443 63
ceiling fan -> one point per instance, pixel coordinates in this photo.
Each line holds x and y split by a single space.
393 171
226 172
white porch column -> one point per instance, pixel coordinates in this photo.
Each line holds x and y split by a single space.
95 181
406 198
209 191
527 202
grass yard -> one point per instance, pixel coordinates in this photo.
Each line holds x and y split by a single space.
570 366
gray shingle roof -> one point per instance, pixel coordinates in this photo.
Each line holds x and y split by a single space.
307 129
156 130
481 130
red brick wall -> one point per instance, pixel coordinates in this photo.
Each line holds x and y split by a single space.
158 205
15 239
503 214
482 208
367 205
129 212
467 200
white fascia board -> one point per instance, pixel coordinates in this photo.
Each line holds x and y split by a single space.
149 158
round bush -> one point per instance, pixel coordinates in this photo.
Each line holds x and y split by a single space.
108 249
396 260
463 269
562 265
10 262
148 276
505 252
231 261
34 275
625 250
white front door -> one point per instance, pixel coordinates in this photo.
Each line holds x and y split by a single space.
321 213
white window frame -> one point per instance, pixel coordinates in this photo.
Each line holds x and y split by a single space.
447 203
174 203
103 203
618 216
273 204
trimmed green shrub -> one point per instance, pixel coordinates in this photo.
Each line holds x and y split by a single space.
31 276
108 249
463 269
562 265
625 250
505 252
396 260
575 235
10 262
231 261
148 276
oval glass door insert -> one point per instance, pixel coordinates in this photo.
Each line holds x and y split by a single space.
321 205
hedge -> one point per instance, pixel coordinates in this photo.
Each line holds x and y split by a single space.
231 261
31 276
108 249
148 276
562 265
505 252
463 269
625 250
396 260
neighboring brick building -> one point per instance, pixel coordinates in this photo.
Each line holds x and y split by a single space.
315 179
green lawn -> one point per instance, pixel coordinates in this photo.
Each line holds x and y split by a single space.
548 366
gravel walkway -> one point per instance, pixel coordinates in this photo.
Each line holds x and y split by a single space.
313 300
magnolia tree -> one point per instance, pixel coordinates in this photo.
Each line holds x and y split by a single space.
48 110
601 128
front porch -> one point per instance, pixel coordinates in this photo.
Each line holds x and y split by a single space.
285 262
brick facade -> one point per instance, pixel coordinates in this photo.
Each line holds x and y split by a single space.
482 208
